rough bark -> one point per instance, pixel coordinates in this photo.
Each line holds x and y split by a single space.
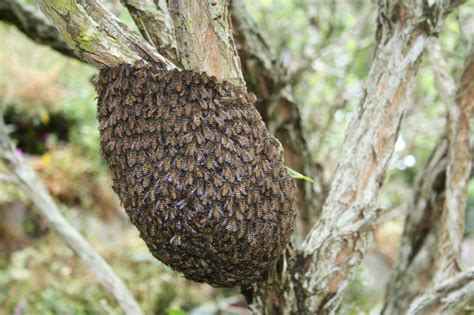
414 269
155 24
448 297
460 111
329 256
433 229
26 179
268 80
204 38
96 36
33 25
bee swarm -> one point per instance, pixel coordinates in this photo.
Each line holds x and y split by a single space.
197 172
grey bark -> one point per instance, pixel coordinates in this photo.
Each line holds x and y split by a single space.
433 228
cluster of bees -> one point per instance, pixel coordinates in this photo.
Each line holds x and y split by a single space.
197 172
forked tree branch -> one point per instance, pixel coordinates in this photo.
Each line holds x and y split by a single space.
27 180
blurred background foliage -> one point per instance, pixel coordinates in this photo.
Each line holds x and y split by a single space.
50 109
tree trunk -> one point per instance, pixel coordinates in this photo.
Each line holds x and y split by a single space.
326 263
434 225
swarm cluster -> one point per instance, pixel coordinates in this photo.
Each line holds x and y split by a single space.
197 172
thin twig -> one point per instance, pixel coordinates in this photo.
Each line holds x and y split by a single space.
34 188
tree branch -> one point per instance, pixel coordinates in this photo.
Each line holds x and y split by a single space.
338 242
33 25
154 22
433 229
460 111
96 36
204 38
446 298
445 84
414 268
33 187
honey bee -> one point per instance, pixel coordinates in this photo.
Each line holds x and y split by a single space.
231 225
237 193
238 127
146 168
175 240
197 119
168 77
129 100
238 214
226 173
203 104
218 180
111 145
225 190
191 165
172 140
166 165
210 191
139 189
173 193
242 206
251 239
200 188
152 195
199 138
187 109
142 158
242 141
213 213
194 95
241 232
189 179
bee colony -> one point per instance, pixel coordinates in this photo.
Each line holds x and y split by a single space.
197 172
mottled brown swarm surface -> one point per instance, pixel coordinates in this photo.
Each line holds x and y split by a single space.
197 172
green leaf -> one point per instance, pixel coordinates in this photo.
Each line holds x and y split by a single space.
297 175
175 311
